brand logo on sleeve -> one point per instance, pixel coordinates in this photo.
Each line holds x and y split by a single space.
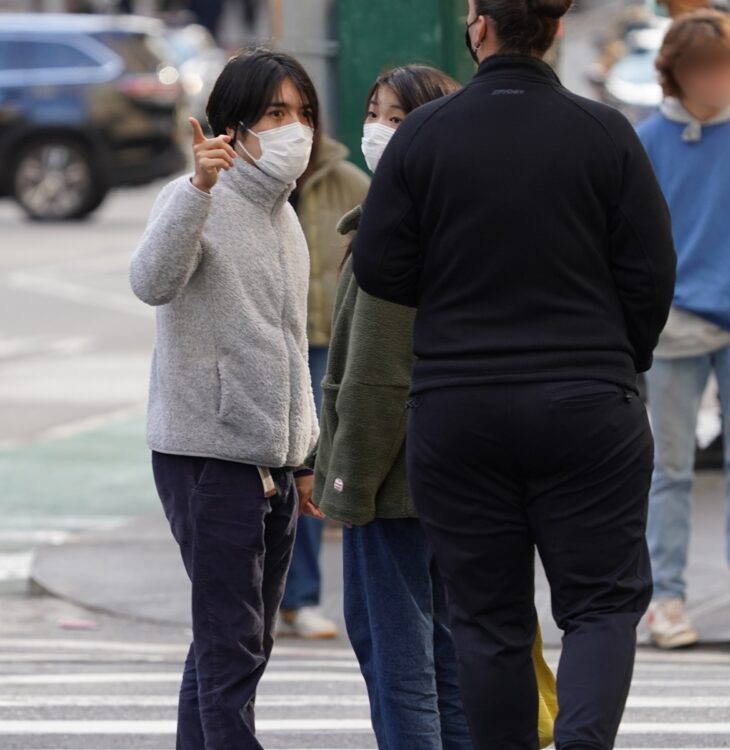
339 485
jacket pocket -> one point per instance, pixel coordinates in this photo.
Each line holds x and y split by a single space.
584 393
328 424
222 401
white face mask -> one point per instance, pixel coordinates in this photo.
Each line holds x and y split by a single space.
376 138
285 151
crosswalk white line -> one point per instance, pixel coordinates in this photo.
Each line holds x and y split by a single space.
680 682
670 727
124 647
170 701
107 678
688 701
122 727
271 676
303 701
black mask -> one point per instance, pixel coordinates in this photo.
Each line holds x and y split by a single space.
467 40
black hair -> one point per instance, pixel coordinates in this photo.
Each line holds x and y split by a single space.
415 85
250 82
525 27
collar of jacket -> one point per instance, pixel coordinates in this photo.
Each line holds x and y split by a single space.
674 110
523 66
255 185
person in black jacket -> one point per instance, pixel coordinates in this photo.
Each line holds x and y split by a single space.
526 225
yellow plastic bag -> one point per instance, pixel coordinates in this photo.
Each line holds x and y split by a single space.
548 692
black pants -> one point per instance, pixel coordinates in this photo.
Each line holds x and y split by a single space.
236 545
498 470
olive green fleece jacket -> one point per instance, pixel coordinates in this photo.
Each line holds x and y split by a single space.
359 462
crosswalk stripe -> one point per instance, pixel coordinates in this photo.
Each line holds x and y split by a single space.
302 701
169 727
54 702
170 701
123 727
105 678
95 645
680 682
667 727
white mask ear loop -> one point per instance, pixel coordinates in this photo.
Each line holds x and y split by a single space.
244 129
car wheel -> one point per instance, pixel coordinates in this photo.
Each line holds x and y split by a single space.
54 180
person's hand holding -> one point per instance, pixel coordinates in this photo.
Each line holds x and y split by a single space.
305 488
211 155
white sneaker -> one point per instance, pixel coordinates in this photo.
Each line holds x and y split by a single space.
307 622
669 625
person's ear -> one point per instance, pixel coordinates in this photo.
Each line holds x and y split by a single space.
482 32
561 29
232 132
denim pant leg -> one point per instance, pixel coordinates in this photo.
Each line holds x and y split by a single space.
675 389
304 584
389 612
235 544
721 364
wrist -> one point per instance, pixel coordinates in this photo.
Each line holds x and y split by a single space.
197 183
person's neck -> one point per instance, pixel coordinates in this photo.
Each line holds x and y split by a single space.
494 50
701 112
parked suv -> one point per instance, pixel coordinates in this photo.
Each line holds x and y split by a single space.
87 103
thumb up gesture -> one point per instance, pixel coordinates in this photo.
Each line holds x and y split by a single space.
211 155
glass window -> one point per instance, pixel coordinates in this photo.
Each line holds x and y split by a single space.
12 55
134 49
45 55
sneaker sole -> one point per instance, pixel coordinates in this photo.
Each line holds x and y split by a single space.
679 641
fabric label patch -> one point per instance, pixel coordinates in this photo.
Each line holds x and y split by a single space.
339 485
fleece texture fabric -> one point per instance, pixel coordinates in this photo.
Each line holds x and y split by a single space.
228 272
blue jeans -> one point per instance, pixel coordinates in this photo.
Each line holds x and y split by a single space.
236 546
396 616
675 391
304 585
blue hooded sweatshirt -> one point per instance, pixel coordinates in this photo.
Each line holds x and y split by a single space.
692 162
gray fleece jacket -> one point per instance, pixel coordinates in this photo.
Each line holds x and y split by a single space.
229 274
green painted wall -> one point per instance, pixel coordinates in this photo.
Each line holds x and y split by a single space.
377 34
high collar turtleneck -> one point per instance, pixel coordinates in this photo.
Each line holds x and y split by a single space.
256 185
517 64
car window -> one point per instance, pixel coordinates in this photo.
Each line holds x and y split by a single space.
134 49
12 54
46 55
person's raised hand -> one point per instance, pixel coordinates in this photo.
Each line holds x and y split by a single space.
211 155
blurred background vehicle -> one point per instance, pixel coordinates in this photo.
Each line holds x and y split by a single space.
87 103
199 60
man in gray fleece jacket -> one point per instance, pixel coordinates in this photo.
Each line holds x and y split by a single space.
229 274
231 409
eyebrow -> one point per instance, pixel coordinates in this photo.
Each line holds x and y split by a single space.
287 105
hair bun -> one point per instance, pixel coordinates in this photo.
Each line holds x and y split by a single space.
551 8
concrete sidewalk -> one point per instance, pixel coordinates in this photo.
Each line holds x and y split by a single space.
135 571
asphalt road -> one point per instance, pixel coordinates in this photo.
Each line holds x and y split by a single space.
115 687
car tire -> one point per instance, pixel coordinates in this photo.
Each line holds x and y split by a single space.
54 180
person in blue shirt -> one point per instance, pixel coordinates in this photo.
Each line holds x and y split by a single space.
689 144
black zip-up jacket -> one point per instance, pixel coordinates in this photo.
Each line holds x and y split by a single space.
526 225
